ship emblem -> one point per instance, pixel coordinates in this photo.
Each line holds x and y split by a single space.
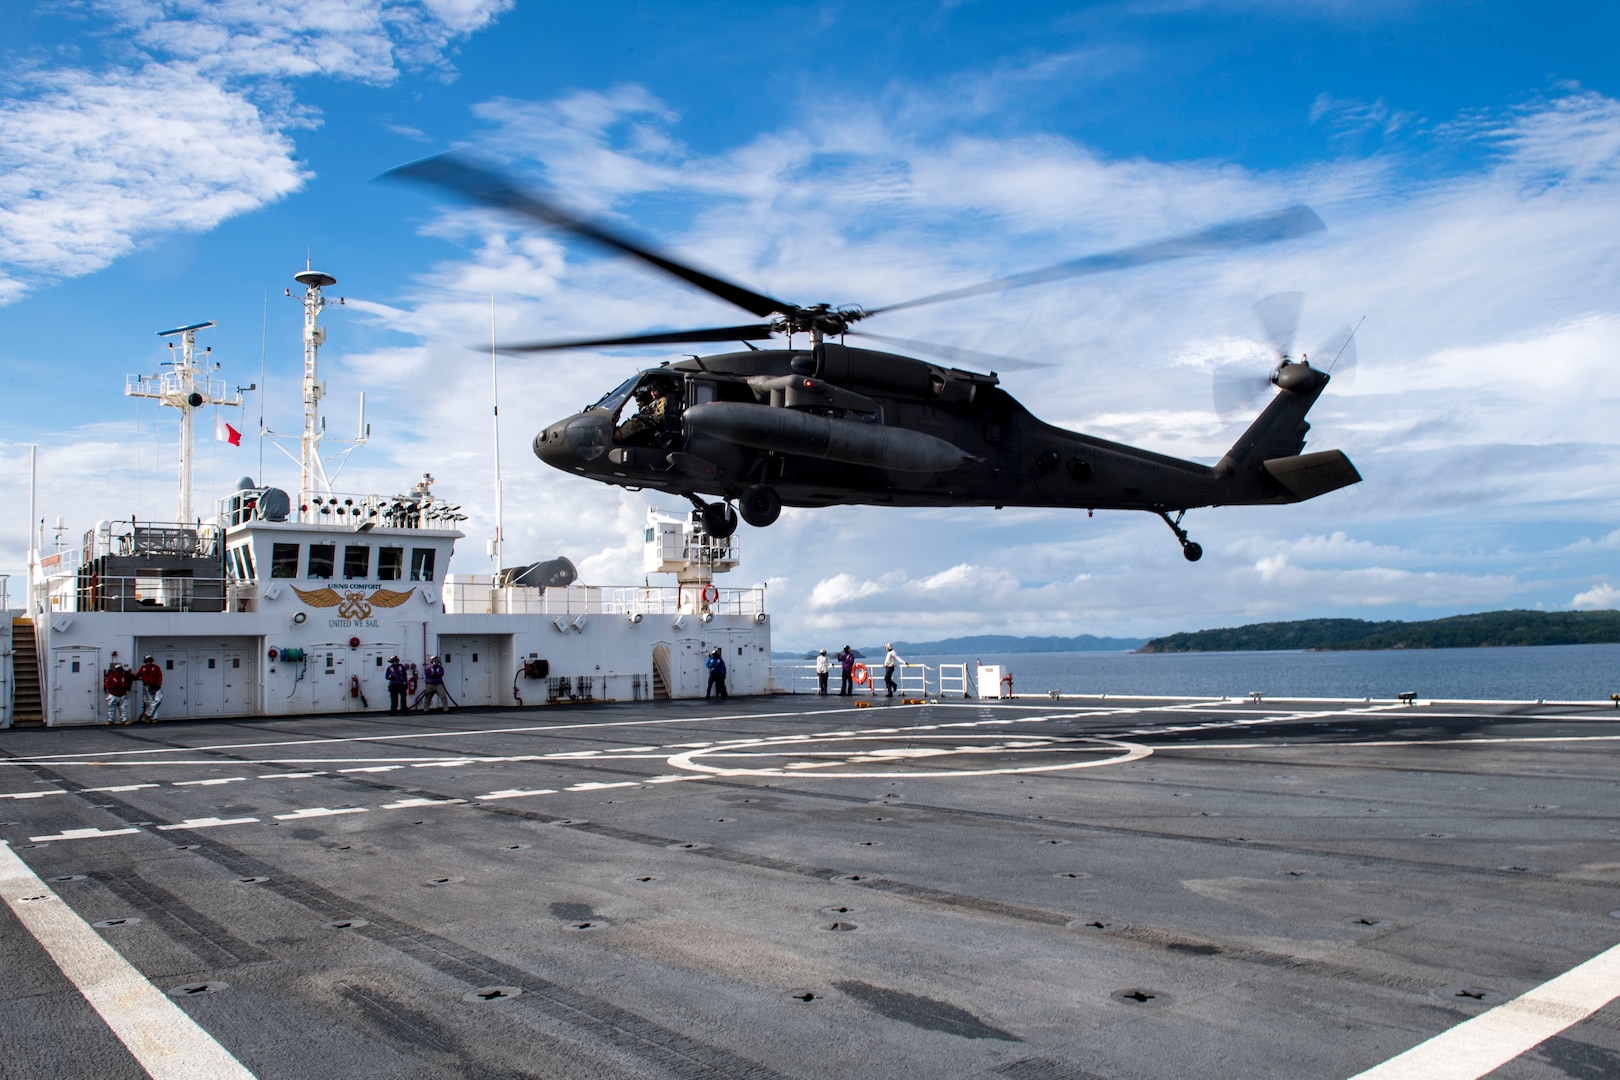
354 604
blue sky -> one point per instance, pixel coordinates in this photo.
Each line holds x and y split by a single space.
167 161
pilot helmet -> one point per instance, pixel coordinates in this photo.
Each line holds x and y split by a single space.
146 660
823 652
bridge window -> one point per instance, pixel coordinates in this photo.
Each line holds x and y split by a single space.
356 561
322 558
390 563
422 564
284 560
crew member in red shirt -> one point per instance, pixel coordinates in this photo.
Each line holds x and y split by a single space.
150 676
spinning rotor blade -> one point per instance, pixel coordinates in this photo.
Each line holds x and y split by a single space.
484 185
1239 390
988 361
756 332
1279 315
1287 224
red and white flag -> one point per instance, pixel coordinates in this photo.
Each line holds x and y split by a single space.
225 433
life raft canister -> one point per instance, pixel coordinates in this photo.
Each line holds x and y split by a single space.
859 673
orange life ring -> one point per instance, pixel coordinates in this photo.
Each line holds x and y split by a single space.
859 673
710 594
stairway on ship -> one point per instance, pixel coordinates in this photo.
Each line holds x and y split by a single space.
27 703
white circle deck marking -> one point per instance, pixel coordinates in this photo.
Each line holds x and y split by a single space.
823 763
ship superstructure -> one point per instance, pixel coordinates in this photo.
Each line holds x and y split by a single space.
284 605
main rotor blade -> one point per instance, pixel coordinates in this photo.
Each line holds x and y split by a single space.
1287 224
757 332
1279 316
481 184
988 361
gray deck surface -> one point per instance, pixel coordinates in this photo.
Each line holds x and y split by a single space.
1296 889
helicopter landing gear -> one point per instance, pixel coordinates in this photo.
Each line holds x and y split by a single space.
1190 550
760 505
719 519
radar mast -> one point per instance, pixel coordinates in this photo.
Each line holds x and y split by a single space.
188 387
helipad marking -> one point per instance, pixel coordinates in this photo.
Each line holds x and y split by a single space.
514 793
207 823
166 1042
783 748
34 794
118 788
595 786
1495 1037
319 811
81 834
407 804
215 782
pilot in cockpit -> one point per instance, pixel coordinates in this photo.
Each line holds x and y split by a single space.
648 425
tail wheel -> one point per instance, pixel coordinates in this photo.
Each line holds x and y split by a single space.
760 505
1191 551
719 520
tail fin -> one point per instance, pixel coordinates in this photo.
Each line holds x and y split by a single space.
1266 461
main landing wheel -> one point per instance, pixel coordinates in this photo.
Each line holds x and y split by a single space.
760 505
1191 551
719 520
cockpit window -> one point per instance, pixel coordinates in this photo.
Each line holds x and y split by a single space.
616 398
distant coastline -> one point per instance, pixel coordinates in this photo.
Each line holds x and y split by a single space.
1489 629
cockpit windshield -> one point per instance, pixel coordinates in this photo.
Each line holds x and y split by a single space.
615 398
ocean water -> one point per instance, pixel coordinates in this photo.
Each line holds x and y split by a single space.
1553 672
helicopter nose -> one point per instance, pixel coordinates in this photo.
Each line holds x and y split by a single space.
566 443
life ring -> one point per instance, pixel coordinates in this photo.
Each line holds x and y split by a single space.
859 673
710 594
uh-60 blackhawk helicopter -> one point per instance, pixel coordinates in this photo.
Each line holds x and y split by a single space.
829 424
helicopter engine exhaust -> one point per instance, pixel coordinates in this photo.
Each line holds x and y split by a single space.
789 431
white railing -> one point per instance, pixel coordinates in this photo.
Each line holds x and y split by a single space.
468 594
911 680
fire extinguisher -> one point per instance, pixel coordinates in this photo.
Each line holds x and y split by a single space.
412 690
354 691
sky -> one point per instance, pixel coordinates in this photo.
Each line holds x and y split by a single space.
164 162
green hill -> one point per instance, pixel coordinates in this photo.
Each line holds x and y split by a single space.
1486 629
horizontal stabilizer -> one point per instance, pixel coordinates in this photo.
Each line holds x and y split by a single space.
1305 476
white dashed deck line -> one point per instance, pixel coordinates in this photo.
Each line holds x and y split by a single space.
670 779
207 823
373 768
319 811
514 793
595 786
120 787
407 804
290 775
166 1042
81 834
34 794
1490 1040
215 782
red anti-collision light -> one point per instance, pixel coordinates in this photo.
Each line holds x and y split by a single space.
810 384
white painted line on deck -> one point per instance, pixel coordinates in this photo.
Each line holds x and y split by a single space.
120 787
32 794
595 786
81 834
207 823
406 804
166 1042
319 811
515 793
373 768
215 782
1494 1038
290 775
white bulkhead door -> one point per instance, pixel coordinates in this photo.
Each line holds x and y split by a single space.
176 683
76 693
241 685
207 684
469 668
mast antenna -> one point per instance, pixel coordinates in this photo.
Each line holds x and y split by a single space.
187 387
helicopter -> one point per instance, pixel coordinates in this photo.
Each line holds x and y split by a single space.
831 424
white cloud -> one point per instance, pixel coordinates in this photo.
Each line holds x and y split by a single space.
1598 598
353 39
92 163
